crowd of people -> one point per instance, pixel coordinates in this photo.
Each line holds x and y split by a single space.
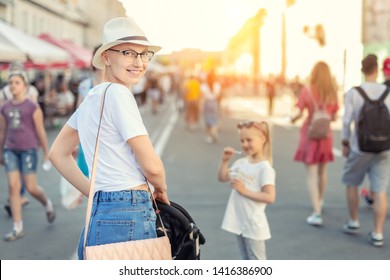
108 103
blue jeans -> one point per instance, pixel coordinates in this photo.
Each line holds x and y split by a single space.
23 161
119 216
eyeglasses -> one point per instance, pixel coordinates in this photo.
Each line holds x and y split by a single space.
131 55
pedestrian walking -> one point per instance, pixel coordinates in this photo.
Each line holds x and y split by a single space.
127 159
211 89
315 154
360 163
22 130
252 179
153 90
192 97
6 94
367 195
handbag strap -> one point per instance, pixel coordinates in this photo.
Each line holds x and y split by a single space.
93 177
312 99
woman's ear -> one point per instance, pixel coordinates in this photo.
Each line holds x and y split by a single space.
105 59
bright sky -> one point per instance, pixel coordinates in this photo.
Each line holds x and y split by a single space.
203 24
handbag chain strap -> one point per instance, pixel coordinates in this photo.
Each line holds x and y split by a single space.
93 177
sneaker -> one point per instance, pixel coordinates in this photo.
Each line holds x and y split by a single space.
351 227
51 216
209 139
375 240
314 220
7 209
366 198
13 235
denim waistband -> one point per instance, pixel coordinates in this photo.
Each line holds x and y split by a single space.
125 195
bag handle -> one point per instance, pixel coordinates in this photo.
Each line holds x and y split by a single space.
93 177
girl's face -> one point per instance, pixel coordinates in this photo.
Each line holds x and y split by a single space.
17 85
122 70
252 141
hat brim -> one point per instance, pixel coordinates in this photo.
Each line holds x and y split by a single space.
97 58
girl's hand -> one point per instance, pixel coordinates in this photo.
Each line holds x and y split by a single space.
238 185
228 152
346 151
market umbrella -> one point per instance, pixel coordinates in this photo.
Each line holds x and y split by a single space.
37 50
9 53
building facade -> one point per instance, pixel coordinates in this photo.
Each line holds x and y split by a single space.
80 21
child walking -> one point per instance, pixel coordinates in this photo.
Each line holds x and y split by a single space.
252 179
21 131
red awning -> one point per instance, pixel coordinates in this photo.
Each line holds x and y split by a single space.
81 57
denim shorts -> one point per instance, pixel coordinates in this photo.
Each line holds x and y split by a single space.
119 216
23 161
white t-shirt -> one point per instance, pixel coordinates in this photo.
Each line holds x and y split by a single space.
84 87
117 168
244 216
32 93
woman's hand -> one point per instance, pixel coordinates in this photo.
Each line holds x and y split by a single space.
161 196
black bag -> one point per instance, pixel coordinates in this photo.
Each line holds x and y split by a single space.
373 127
184 235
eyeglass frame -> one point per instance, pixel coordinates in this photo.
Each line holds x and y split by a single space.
149 54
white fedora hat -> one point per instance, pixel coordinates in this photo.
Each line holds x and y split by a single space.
119 31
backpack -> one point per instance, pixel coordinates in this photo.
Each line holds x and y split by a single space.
373 127
184 235
319 125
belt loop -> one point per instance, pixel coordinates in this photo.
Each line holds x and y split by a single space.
134 199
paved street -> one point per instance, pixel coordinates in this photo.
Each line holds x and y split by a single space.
191 167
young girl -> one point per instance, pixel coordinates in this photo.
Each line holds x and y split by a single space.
252 179
21 131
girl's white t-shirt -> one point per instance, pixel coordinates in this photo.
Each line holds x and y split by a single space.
117 167
244 216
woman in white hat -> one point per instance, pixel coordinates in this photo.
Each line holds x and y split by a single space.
122 209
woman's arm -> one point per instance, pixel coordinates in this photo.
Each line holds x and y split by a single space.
41 132
151 165
297 116
61 156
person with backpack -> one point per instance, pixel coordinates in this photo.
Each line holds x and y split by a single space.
367 149
366 195
315 148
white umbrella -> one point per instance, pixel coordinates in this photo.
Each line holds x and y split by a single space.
8 53
37 50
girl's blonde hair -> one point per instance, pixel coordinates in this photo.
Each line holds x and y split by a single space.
321 80
264 128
